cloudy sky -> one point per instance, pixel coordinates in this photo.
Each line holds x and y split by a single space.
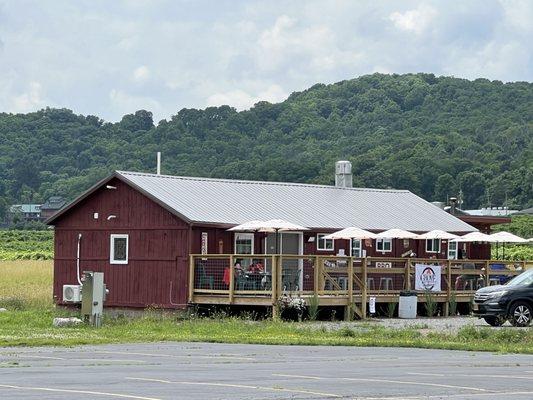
109 58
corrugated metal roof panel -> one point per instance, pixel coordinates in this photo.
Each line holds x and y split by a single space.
224 201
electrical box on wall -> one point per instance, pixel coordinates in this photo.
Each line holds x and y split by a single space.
94 293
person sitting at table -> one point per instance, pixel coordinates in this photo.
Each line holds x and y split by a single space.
256 268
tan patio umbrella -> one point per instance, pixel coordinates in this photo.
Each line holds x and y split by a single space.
279 225
397 234
352 233
474 237
506 237
437 234
250 226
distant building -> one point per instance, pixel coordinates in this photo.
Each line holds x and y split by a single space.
492 212
25 212
51 206
35 212
525 211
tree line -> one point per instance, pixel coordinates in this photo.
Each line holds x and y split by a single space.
435 136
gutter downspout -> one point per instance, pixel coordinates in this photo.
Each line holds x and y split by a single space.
78 259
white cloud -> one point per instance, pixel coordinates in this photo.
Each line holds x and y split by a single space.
31 100
111 58
416 20
141 74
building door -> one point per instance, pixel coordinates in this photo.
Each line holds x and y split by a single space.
292 269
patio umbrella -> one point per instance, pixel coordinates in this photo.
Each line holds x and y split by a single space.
438 234
505 237
279 225
352 233
474 237
248 226
397 234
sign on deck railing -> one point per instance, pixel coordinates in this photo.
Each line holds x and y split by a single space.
427 277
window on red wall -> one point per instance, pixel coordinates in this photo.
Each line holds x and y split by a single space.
324 244
432 245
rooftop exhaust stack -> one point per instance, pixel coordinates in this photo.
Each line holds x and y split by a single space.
158 163
343 174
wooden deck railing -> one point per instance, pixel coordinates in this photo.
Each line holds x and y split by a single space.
335 280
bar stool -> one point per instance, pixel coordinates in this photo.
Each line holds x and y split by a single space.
387 282
370 283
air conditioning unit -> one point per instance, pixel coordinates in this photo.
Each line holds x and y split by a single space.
72 293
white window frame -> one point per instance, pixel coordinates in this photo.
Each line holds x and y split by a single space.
432 241
452 253
352 247
112 248
383 241
318 236
243 236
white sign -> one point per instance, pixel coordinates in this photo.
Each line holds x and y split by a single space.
204 242
372 305
383 264
427 277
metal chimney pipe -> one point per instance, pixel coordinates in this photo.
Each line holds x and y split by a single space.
343 174
158 163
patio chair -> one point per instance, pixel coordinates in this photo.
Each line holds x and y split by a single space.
291 281
204 279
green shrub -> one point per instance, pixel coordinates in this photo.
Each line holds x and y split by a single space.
430 304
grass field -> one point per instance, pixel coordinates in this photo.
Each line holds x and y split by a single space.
25 290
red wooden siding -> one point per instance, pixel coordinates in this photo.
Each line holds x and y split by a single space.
157 255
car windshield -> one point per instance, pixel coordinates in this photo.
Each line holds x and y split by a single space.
524 279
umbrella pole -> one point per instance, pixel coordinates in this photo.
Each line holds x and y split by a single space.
277 241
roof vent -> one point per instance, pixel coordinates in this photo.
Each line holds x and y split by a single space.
343 174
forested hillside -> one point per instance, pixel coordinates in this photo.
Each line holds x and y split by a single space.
431 135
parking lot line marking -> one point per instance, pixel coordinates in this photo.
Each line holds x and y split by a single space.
90 392
423 374
44 357
212 357
235 385
386 381
439 396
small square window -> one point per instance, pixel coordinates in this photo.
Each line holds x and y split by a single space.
119 249
356 248
324 244
433 245
384 245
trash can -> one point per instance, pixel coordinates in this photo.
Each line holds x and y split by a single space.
407 305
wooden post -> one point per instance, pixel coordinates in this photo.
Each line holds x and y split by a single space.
363 289
279 275
449 288
350 290
191 279
317 275
407 274
274 284
231 279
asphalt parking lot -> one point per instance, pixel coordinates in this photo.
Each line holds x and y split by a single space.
224 371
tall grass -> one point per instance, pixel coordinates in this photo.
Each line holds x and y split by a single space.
26 284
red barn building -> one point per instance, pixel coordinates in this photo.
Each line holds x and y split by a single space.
139 229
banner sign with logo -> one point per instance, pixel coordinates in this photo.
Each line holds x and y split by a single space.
427 277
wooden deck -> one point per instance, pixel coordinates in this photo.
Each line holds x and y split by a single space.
334 280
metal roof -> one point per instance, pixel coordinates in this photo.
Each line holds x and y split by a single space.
232 202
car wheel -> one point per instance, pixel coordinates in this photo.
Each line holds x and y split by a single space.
494 321
521 314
